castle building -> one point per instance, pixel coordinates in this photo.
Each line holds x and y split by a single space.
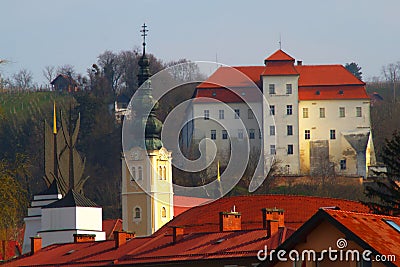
316 118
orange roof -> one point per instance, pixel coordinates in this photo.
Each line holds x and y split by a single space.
111 225
280 68
183 203
298 209
279 55
372 229
320 75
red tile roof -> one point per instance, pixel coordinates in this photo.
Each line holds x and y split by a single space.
279 55
111 225
328 79
372 229
298 209
183 203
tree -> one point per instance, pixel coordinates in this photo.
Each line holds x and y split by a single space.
384 191
67 69
49 73
391 74
354 69
23 79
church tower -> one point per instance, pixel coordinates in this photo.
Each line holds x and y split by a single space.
147 193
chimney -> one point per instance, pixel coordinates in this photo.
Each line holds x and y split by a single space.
79 238
230 221
177 233
273 219
121 237
36 244
299 62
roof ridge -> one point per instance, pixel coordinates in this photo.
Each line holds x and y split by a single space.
360 213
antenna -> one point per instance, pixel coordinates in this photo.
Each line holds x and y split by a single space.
280 41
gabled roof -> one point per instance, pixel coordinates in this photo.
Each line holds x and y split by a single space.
326 75
72 199
279 55
51 190
298 209
111 225
69 79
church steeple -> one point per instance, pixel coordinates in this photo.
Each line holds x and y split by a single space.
144 70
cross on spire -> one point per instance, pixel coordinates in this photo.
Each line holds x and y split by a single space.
144 34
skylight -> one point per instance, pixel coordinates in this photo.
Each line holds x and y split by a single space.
393 224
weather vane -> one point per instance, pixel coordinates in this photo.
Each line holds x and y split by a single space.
144 34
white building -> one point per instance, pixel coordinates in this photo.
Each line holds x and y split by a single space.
315 117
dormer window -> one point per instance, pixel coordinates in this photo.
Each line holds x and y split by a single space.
317 92
341 92
214 94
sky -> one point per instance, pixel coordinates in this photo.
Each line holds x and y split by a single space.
38 33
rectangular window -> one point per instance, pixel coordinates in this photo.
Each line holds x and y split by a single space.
289 89
290 149
342 164
206 114
213 134
272 130
251 134
307 134
221 114
333 134
322 112
358 111
272 110
271 89
250 114
240 133
237 113
342 112
305 112
272 149
224 134
290 130
289 110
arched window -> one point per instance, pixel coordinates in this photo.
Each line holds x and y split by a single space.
137 213
164 173
160 172
140 175
133 173
163 212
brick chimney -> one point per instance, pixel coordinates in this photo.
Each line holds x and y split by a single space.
177 233
273 219
79 238
230 221
120 238
36 244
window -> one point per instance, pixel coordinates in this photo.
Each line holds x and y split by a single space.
290 130
206 114
271 89
272 130
290 149
272 149
251 134
342 164
305 112
237 113
221 114
224 134
140 173
358 111
322 112
272 110
160 172
163 212
289 89
240 133
259 134
164 173
342 112
289 110
138 213
213 134
333 134
133 173
392 224
307 134
250 114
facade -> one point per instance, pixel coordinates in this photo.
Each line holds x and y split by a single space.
64 83
315 118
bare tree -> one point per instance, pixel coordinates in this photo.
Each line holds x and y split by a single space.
391 74
49 72
23 79
67 69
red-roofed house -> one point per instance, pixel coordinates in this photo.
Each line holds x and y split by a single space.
208 235
342 238
314 116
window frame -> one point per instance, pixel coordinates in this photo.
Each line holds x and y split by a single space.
271 89
289 130
305 113
289 89
332 134
272 149
250 114
342 112
322 112
240 134
307 134
290 149
221 114
272 130
237 113
289 109
206 114
213 134
272 110
343 164
224 134
358 112
252 134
